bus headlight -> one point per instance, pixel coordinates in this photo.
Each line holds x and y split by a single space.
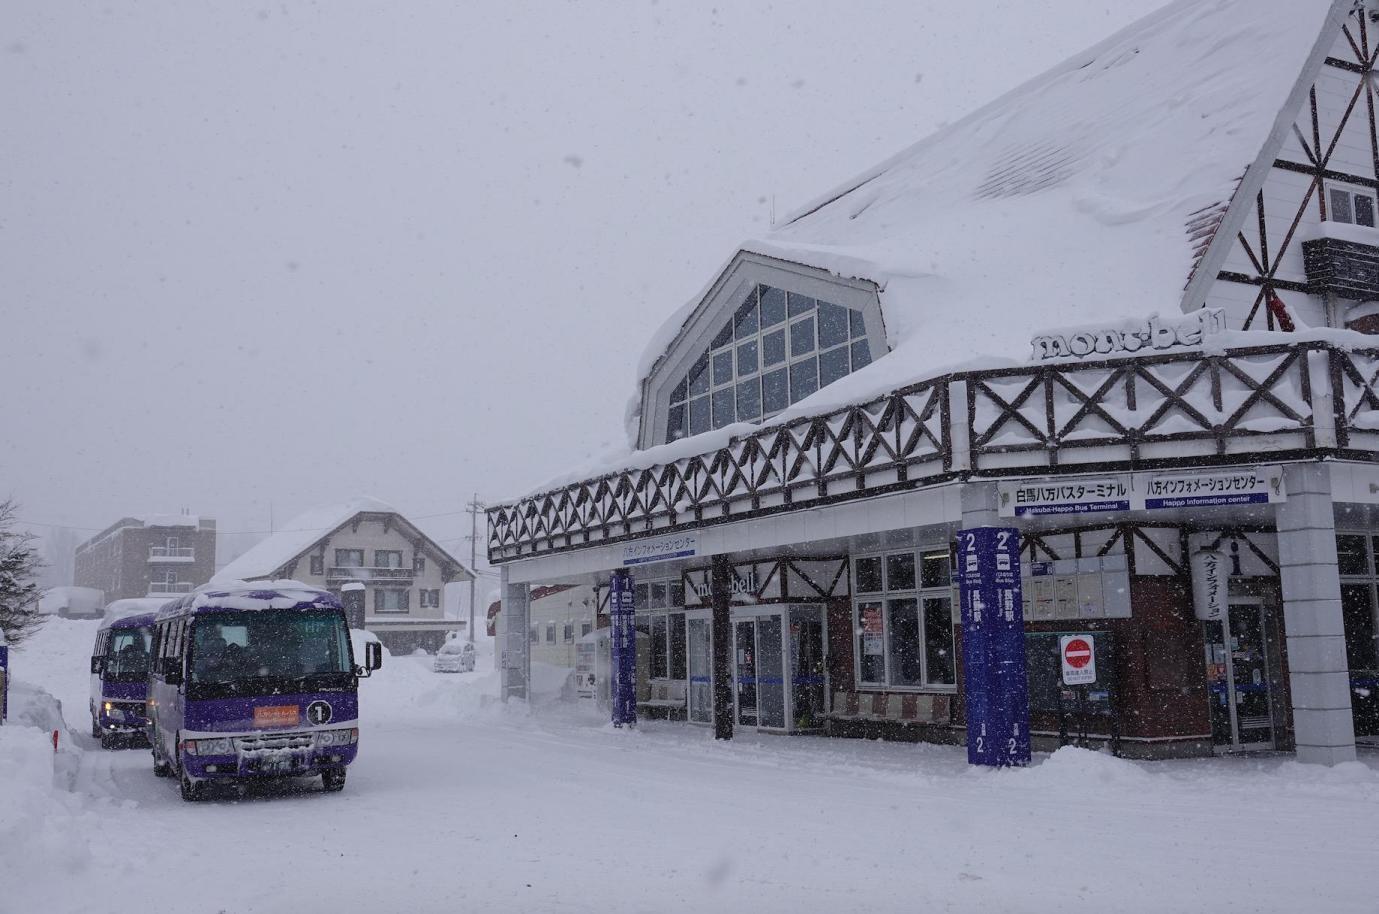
337 737
223 746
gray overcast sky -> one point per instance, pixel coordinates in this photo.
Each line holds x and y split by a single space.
255 257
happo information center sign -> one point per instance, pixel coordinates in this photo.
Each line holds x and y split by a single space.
993 647
1141 492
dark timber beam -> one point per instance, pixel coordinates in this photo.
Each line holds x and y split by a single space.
721 592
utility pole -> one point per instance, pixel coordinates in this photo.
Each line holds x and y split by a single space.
474 507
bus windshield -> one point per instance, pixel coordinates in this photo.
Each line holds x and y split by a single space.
127 655
270 651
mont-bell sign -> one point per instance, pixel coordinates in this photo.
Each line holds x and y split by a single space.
1156 334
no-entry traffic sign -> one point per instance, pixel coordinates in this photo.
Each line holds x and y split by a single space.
1078 654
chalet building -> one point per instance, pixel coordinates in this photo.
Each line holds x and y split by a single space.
159 555
1121 309
390 576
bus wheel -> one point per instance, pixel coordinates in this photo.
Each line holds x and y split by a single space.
191 791
95 728
109 741
333 779
161 769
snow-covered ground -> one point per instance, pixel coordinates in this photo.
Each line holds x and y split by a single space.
457 803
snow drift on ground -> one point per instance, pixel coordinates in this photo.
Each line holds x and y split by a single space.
462 804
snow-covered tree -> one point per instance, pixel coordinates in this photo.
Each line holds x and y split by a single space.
19 570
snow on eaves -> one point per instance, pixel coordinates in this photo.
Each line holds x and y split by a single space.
1066 201
297 535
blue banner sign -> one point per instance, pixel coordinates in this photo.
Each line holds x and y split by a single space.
623 638
4 679
995 683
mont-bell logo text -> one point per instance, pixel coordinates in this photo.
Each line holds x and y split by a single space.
1154 334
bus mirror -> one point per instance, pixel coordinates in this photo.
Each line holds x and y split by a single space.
373 656
171 669
97 666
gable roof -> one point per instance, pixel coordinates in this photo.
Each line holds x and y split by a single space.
307 529
1086 195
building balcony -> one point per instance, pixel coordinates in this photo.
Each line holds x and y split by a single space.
370 573
1343 268
163 588
162 554
1175 410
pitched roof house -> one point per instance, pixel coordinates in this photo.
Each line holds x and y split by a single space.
366 543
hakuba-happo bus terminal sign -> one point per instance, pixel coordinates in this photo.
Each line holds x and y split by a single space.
993 647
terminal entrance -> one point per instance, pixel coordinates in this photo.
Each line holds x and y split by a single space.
1239 679
779 679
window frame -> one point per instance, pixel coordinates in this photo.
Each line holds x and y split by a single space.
1352 191
1368 578
378 600
924 596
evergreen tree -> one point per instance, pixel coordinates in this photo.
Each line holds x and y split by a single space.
19 569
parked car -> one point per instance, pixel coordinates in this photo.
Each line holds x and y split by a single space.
454 656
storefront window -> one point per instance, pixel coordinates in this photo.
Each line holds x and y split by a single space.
905 640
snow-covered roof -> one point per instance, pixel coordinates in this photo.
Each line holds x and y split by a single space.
133 606
1067 201
297 536
250 596
169 520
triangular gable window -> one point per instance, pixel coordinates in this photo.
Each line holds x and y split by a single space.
778 348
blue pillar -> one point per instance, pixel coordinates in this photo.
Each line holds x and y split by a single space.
995 683
622 614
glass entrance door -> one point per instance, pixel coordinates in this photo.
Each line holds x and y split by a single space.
700 672
1238 680
807 670
779 679
745 671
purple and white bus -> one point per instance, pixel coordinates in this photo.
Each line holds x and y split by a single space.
254 680
120 662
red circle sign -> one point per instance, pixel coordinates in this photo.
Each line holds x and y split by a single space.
1077 653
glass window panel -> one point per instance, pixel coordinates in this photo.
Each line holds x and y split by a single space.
699 416
747 358
900 571
658 647
678 394
861 355
934 570
802 337
699 377
871 644
857 323
868 574
677 593
723 337
775 392
833 365
938 642
678 665
1364 210
749 399
773 348
658 595
723 408
1357 614
639 594
772 306
903 641
833 325
722 368
1340 206
804 379
1350 554
675 423
799 304
746 322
